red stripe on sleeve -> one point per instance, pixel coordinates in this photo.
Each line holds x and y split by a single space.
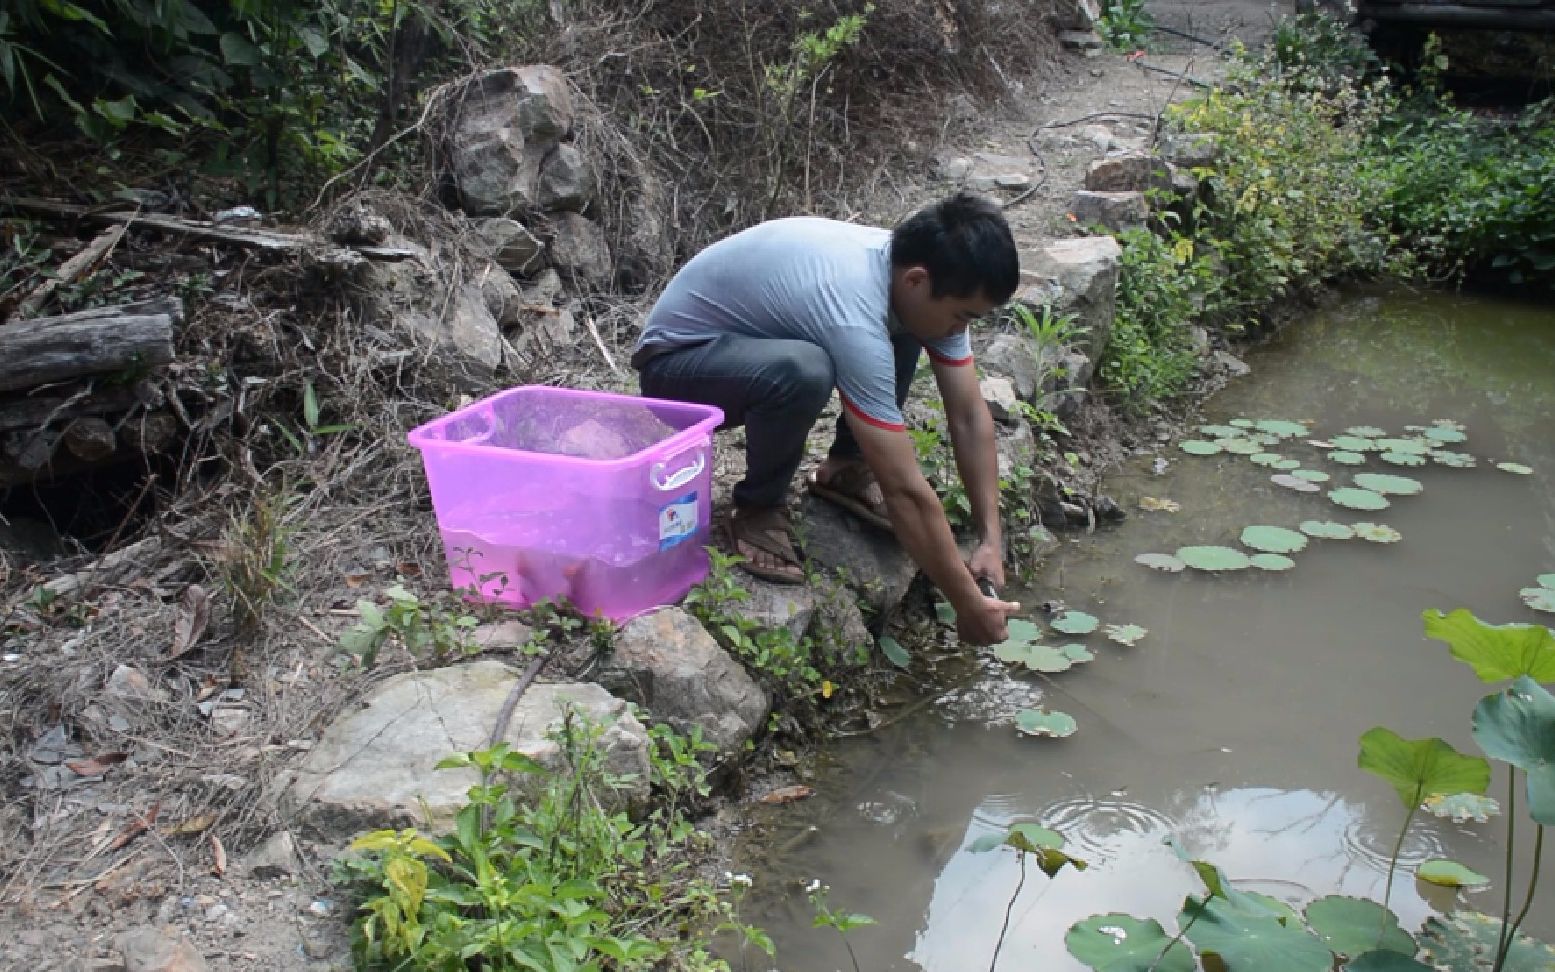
952 362
888 426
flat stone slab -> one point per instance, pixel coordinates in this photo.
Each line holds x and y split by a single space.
873 563
376 765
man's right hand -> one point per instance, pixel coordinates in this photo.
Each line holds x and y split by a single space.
985 621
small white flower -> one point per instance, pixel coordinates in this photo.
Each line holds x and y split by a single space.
814 886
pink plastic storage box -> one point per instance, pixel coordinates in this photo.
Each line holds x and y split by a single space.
548 493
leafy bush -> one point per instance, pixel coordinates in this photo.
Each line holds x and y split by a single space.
1149 356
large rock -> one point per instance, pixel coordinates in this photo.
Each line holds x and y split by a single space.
579 251
873 564
987 171
1128 172
1011 356
152 949
1076 276
566 182
375 766
412 300
508 120
1016 448
839 627
1191 150
999 396
1077 14
1115 211
790 606
510 243
666 661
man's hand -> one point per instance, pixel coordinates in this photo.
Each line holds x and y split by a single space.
984 622
988 561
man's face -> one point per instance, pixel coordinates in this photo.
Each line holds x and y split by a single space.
930 318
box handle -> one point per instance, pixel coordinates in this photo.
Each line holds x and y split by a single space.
679 478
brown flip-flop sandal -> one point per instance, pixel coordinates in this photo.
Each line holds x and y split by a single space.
736 530
845 487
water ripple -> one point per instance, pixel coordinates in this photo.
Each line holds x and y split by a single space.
1093 828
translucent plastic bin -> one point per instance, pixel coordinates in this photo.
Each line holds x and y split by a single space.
548 493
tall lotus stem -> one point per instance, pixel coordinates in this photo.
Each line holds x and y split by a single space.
1503 940
1533 883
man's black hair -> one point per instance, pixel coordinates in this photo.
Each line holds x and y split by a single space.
964 243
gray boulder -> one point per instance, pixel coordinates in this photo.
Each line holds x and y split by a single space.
1076 276
872 563
1077 14
1128 172
375 766
1016 447
507 122
1011 356
1116 211
510 243
790 606
412 301
158 949
669 664
579 251
999 396
986 171
566 182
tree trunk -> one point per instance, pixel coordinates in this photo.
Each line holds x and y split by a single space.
98 341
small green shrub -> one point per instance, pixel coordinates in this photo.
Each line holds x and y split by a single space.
1125 24
1149 356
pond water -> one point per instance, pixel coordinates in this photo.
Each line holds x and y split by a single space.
1232 727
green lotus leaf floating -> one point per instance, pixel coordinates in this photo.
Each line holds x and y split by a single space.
1450 874
1377 533
1354 443
1539 598
1214 558
1126 634
1273 539
1242 423
1449 424
1123 943
1025 631
1327 530
1160 561
1287 464
1454 460
1272 562
1358 499
1075 622
1466 940
1311 475
1416 446
1241 447
1444 435
1265 458
1462 807
1389 485
1403 458
1297 483
1381 960
1281 428
1267 439
1245 940
1365 432
1199 447
1345 457
1545 580
1048 660
1079 654
1041 722
1351 926
1516 468
1220 431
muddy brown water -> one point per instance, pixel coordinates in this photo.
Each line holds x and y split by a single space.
1233 726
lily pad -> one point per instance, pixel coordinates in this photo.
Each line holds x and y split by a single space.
1272 562
1466 940
1415 446
1273 539
1517 726
1311 475
894 652
1545 580
1299 484
1241 447
1389 485
1281 428
1384 961
1377 532
1041 722
1327 530
1454 460
1445 435
1539 598
1242 423
1365 432
1418 768
1286 465
1079 654
1265 458
945 612
1199 447
1516 468
1122 943
1358 499
1038 658
1160 561
1126 634
1450 874
1403 458
1351 926
1075 622
1462 807
1214 558
1345 457
1354 443
1246 942
1496 652
1449 424
1220 431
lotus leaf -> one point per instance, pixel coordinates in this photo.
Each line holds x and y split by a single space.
1345 457
1365 431
1272 562
1514 467
1449 424
1252 943
1389 485
1418 768
1377 532
1041 722
1517 726
1545 580
1123 943
1241 447
1351 926
894 652
945 612
1403 458
1273 539
1310 475
1213 558
1449 874
1454 460
1265 458
1160 561
1358 499
1539 598
1242 423
1327 530
1075 622
1220 431
1297 483
1415 446
1444 435
1281 428
1496 652
1079 654
1199 447
1022 630
1383 961
1462 807
1265 439
1126 634
1354 443
1038 658
1466 940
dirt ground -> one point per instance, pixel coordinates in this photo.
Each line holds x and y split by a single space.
65 909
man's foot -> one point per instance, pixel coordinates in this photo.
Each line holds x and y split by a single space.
766 541
850 485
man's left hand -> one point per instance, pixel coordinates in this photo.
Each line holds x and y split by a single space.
988 561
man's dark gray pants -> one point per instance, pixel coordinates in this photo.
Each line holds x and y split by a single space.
776 389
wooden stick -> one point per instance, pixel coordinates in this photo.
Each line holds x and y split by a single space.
72 270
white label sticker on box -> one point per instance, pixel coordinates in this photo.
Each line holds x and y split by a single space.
677 521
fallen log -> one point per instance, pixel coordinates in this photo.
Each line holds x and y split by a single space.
97 341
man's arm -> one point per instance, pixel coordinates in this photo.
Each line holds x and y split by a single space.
920 525
977 460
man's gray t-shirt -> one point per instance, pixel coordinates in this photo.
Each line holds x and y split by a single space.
806 279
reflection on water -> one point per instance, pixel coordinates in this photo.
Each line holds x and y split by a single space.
1233 726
